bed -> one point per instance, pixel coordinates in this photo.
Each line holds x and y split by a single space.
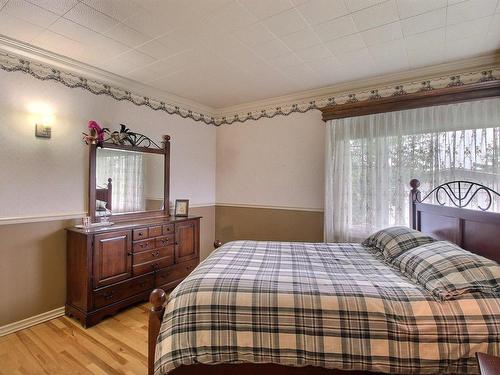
322 308
104 195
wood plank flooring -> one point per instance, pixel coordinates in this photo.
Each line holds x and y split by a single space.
117 345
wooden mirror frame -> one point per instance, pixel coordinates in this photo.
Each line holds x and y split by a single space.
166 180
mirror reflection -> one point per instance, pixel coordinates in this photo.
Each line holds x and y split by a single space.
128 181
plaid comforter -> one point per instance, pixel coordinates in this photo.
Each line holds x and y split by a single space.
328 305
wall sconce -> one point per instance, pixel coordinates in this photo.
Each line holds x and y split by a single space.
43 131
43 117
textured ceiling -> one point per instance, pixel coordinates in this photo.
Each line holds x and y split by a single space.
226 52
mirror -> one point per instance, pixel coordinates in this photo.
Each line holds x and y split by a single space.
128 181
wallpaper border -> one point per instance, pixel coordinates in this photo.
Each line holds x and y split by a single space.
11 63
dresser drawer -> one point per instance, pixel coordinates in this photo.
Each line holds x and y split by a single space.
110 294
140 269
151 255
175 273
155 231
140 234
144 245
164 241
168 229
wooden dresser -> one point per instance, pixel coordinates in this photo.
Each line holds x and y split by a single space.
113 267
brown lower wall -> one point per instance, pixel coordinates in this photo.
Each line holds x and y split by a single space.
238 223
33 255
33 264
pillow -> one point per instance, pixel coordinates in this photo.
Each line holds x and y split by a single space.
100 205
448 271
396 240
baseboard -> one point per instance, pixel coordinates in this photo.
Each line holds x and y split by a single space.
31 321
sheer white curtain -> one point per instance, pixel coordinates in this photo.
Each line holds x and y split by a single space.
127 171
371 159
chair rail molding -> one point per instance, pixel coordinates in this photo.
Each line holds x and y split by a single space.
16 56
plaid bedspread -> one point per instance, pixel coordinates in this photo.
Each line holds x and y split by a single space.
328 305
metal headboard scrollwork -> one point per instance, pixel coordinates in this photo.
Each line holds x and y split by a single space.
460 193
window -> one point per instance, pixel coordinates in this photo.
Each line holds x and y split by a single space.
371 159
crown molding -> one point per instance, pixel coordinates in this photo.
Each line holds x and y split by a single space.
43 59
44 65
417 75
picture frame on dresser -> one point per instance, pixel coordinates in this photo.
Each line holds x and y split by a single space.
112 267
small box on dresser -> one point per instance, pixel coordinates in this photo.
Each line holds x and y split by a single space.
110 268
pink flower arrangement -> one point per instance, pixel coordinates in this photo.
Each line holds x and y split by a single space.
96 135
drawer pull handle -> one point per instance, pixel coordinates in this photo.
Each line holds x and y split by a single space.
130 253
108 296
155 254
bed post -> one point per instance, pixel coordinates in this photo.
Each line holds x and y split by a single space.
414 197
110 194
157 298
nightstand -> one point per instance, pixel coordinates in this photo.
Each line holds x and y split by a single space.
488 364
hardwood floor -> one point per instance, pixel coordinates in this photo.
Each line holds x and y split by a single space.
118 345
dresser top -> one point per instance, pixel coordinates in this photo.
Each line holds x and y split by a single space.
131 224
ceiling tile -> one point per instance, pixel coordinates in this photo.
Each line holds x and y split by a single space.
271 49
301 39
360 59
285 23
299 2
410 8
433 39
346 44
390 52
71 30
495 25
470 47
265 8
152 24
469 10
117 9
468 29
127 35
319 11
376 15
233 16
425 57
424 22
205 7
314 53
158 50
286 61
182 60
60 44
30 13
56 6
355 5
254 34
18 29
90 18
382 34
130 60
336 28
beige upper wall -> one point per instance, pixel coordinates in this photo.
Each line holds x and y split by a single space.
275 162
46 177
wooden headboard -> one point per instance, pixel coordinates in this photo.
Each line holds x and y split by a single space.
104 194
477 231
